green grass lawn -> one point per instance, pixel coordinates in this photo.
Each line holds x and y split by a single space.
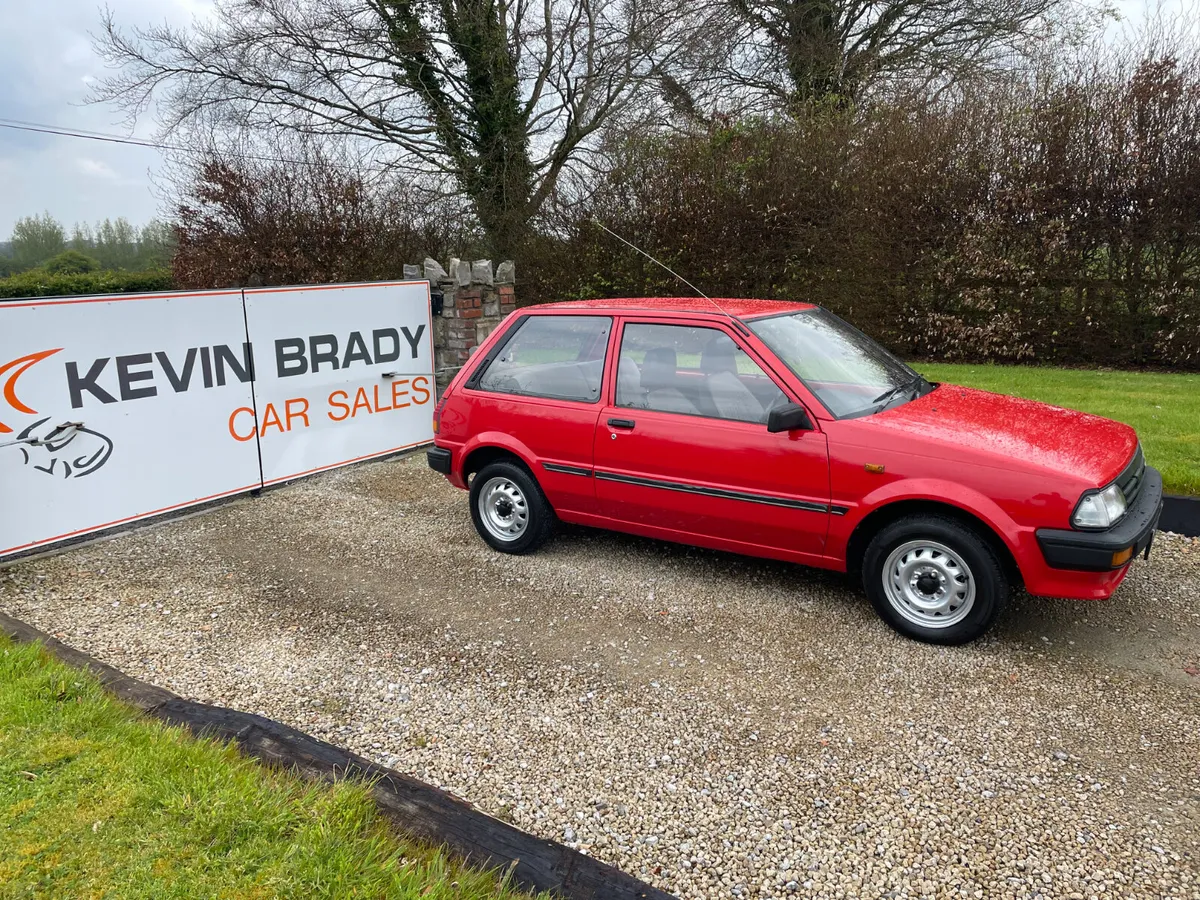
97 802
1165 409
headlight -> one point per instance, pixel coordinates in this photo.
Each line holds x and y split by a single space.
1099 509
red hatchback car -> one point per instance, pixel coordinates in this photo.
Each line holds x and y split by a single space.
777 430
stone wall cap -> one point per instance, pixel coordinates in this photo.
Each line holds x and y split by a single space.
481 271
434 270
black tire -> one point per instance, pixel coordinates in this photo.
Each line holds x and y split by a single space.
929 569
539 516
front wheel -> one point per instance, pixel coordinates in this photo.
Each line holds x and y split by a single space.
934 579
508 508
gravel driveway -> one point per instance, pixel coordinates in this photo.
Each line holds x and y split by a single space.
716 725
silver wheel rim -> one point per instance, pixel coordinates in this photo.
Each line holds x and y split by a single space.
503 510
929 584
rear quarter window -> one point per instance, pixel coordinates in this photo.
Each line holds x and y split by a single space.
558 357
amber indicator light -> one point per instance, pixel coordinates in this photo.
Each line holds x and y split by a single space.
1122 556
874 467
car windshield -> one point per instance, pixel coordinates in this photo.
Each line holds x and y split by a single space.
850 373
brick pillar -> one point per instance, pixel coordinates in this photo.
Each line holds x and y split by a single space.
474 301
506 288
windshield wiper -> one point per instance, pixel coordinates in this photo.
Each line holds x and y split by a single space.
914 382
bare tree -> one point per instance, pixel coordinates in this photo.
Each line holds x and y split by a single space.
780 53
502 96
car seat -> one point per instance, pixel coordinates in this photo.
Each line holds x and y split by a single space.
660 382
724 394
629 384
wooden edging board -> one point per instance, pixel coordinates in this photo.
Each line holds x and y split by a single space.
1180 515
419 810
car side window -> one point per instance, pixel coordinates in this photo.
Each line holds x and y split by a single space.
693 371
555 356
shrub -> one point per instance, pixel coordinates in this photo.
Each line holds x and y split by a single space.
71 262
243 222
41 283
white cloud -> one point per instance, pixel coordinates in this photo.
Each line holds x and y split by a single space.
96 169
78 52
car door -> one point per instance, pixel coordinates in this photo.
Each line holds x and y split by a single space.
541 388
683 445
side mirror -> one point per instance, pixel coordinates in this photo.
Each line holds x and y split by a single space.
791 417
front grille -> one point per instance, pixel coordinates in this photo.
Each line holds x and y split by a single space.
1130 480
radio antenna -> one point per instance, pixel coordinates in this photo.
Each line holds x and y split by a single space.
659 263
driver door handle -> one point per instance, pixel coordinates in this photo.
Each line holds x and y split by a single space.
621 423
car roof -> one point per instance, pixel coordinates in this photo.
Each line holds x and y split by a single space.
738 307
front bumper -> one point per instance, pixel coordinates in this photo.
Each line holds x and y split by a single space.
1095 551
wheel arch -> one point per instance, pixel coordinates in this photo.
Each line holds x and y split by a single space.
487 454
882 516
487 448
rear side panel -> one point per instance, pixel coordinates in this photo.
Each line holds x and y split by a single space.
553 437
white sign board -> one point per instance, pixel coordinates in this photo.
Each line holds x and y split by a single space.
148 380
347 375
114 409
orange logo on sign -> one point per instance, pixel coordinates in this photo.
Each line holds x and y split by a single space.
10 372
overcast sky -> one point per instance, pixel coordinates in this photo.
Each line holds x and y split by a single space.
46 62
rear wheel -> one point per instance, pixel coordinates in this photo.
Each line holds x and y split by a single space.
934 579
508 508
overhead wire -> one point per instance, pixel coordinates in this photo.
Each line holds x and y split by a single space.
83 134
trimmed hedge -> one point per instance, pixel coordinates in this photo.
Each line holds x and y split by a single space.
40 283
1053 220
